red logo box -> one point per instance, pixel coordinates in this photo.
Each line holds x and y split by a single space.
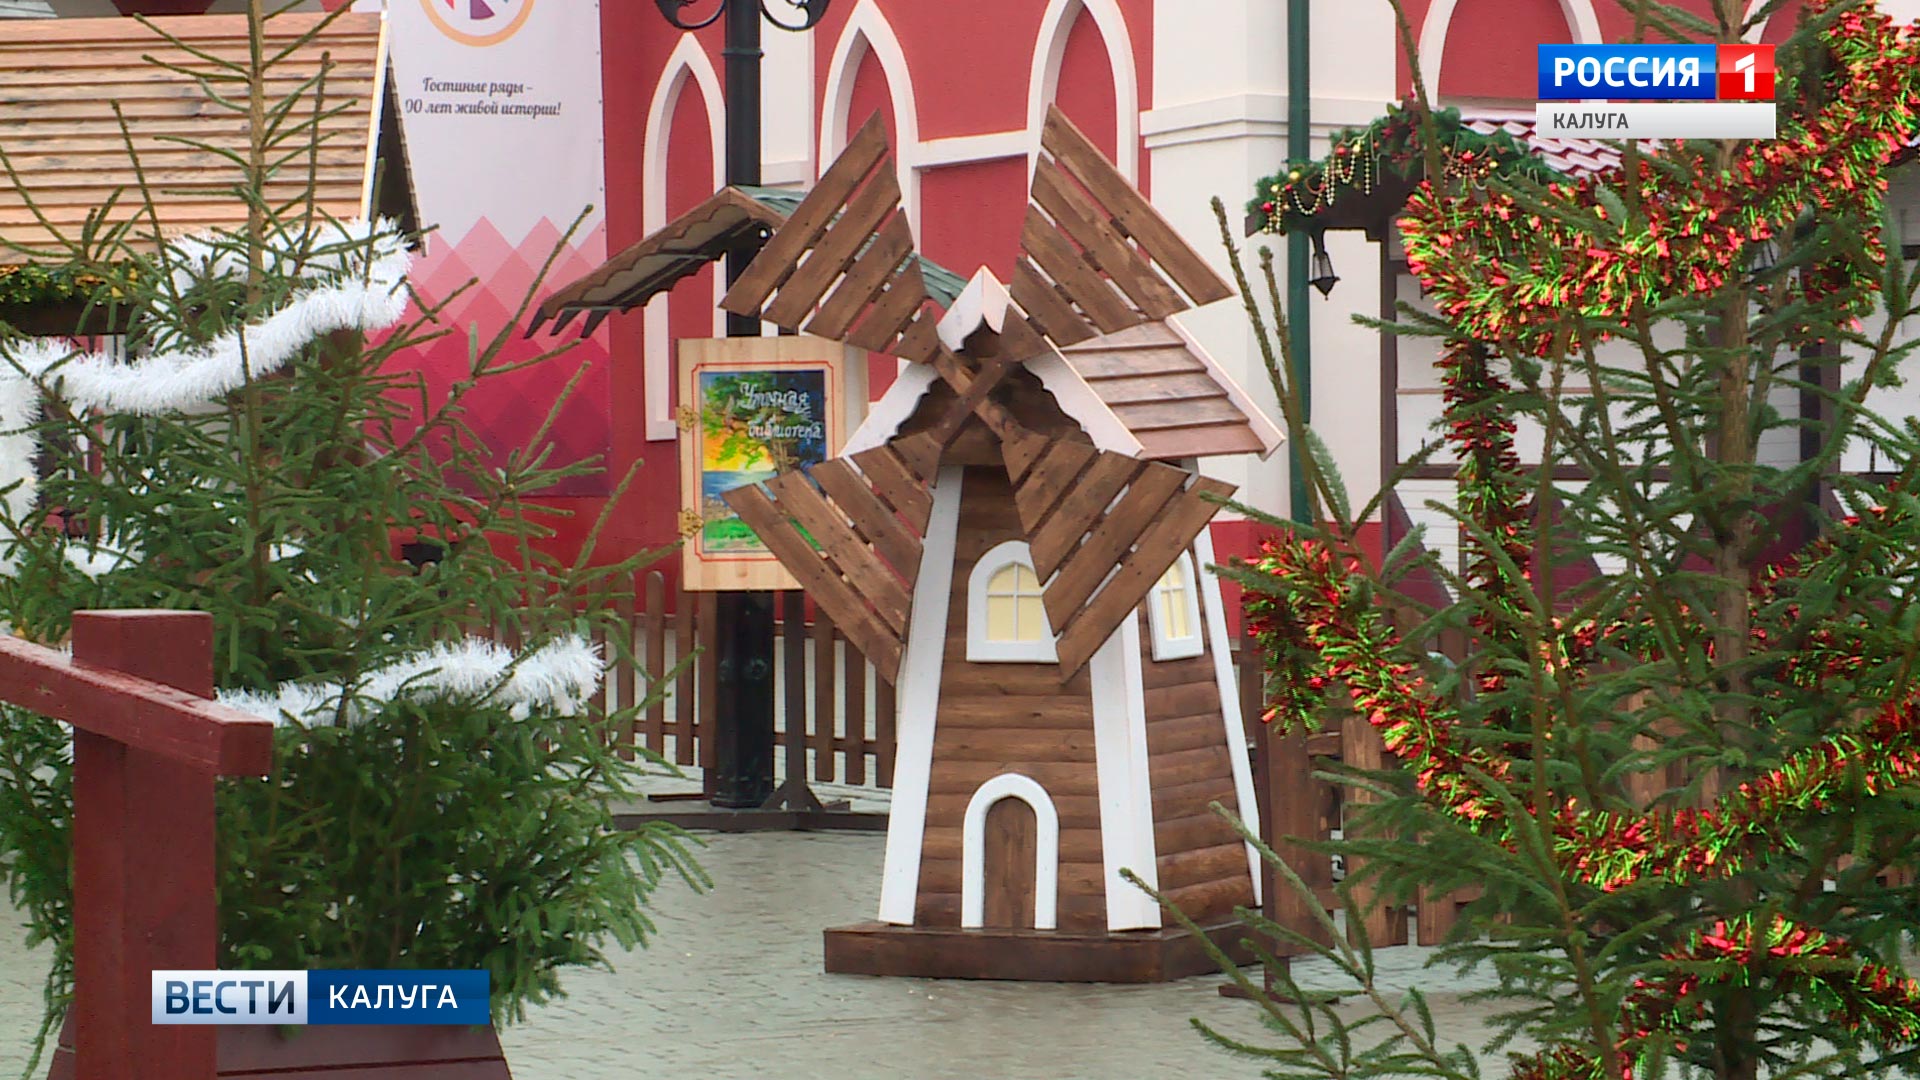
1745 72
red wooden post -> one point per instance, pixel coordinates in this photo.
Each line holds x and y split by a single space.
145 759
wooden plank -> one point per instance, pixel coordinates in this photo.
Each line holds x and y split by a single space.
1089 292
1193 766
1146 389
1051 478
1091 956
920 340
825 710
1197 412
1058 777
831 595
870 272
1171 532
1130 210
875 520
1196 831
707 697
1186 699
834 251
1049 311
1074 213
1095 365
1011 842
623 689
1363 749
1196 866
886 744
683 643
1011 713
1012 746
793 646
855 675
920 453
1175 444
770 269
889 315
655 629
866 575
1022 451
895 482
1179 733
1212 900
1111 537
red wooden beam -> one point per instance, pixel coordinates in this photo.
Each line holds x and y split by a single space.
93 691
146 749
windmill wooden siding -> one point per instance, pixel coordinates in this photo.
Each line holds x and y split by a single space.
1202 861
997 718
66 85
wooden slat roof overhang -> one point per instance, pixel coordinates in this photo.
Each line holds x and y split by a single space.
684 245
83 100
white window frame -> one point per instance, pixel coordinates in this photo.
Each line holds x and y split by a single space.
979 649
1165 646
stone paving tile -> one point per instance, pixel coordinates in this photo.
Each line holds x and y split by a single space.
732 988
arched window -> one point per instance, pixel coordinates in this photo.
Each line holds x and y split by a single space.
1006 620
1173 611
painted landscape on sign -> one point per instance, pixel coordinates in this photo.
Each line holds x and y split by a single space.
754 425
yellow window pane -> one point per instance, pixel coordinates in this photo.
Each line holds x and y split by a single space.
1176 614
1002 618
1033 618
1004 580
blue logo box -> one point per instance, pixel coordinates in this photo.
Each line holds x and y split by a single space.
1628 72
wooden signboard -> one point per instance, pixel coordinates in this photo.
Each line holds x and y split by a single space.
751 408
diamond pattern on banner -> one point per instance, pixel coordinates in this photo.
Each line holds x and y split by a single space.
506 411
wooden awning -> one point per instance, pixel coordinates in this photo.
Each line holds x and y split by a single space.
684 245
68 85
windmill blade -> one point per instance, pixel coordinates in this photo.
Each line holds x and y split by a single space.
845 256
1102 528
1095 257
852 537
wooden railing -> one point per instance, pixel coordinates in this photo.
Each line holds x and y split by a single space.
147 746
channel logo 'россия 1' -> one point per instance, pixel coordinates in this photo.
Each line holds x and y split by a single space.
1656 91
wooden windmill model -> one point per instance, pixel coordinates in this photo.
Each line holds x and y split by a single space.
1016 537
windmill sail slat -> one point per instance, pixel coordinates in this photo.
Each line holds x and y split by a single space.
1083 503
1055 474
866 574
897 484
863 283
781 255
1110 537
1093 231
823 584
887 317
835 250
1049 312
873 518
1130 210
1171 532
1089 292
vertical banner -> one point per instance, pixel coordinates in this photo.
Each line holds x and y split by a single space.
500 114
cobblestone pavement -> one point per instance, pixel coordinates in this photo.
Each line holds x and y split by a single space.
732 988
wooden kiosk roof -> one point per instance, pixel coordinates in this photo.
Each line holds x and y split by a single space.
684 245
66 85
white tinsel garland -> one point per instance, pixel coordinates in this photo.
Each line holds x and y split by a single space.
559 677
357 272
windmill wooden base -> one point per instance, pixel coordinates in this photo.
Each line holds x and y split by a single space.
1127 956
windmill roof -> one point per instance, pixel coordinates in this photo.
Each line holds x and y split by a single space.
67 84
1149 392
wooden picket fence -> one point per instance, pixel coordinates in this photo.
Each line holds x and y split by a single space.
833 719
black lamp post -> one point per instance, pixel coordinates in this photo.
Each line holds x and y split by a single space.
743 744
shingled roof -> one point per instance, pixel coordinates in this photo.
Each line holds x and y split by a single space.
67 86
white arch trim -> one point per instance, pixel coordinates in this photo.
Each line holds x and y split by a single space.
1050 52
973 850
1040 651
1433 35
868 29
687 63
